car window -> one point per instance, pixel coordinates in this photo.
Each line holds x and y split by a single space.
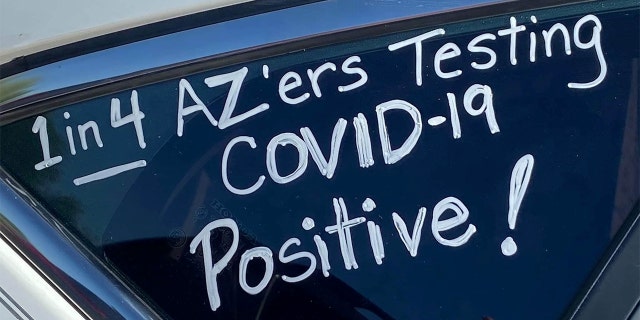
452 171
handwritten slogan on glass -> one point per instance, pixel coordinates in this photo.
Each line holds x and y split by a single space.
418 61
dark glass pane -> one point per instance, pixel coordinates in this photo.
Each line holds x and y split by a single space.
553 140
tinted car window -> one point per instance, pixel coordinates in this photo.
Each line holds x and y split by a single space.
446 172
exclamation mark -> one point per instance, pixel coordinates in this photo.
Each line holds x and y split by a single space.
517 188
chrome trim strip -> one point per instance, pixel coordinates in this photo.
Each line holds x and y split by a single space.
68 265
12 306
